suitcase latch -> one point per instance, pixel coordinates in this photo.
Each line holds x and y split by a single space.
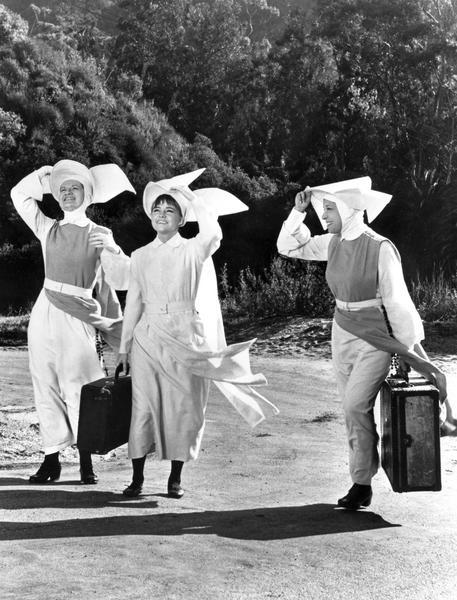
407 441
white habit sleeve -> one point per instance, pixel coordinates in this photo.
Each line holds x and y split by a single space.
295 240
133 308
116 268
403 317
25 196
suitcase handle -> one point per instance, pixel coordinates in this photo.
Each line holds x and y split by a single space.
119 370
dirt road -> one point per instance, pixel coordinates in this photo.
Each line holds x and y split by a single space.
258 519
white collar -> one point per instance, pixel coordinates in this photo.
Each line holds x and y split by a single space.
353 226
82 221
174 241
75 217
352 233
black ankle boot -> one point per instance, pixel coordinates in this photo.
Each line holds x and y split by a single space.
134 489
86 470
88 476
174 489
357 497
48 471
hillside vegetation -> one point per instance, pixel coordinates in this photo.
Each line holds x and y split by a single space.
268 96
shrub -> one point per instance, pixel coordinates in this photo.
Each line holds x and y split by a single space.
284 288
287 288
21 276
435 297
12 26
221 174
13 330
11 127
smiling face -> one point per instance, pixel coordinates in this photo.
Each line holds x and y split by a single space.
166 218
71 195
332 217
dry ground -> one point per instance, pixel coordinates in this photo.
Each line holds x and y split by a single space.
258 519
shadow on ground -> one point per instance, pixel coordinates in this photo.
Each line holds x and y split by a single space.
263 523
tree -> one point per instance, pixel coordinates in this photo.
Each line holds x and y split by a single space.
392 113
76 24
192 57
12 27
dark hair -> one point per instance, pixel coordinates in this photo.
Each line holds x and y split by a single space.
166 199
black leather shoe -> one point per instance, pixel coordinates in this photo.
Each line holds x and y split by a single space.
46 473
88 477
175 490
133 490
358 496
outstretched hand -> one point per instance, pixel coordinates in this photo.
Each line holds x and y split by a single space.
101 238
421 363
302 199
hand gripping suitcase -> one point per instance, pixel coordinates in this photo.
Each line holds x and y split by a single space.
104 413
410 434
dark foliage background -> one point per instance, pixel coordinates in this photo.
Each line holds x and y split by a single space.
267 95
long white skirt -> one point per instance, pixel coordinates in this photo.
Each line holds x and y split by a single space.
167 417
62 358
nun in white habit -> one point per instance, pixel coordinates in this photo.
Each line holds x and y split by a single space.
374 314
81 261
174 334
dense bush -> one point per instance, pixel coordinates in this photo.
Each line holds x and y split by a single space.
22 276
435 297
286 287
289 287
337 89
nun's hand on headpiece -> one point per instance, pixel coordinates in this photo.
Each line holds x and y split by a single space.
185 191
102 237
302 199
43 175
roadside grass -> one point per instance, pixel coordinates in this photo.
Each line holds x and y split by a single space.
286 290
289 289
435 297
13 329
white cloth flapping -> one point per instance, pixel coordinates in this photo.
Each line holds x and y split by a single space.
101 183
219 202
356 194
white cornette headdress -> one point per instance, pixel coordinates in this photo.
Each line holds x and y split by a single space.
101 183
220 201
354 193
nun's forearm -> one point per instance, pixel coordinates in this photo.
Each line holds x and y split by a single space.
132 314
25 196
428 369
116 268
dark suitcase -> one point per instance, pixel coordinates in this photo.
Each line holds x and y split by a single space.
410 434
104 414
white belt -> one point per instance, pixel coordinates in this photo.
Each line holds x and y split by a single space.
358 305
66 288
164 308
